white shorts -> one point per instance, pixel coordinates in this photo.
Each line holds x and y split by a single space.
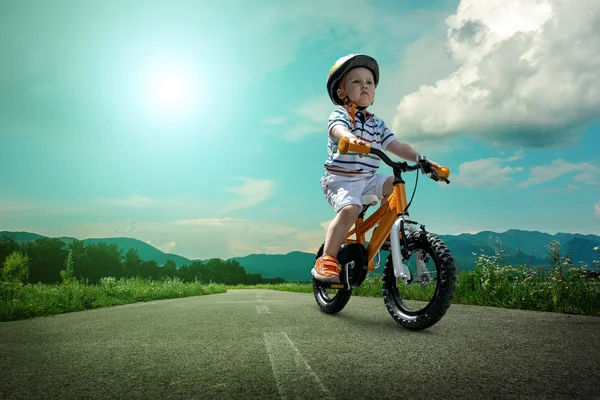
341 191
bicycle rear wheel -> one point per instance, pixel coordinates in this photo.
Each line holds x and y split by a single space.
330 301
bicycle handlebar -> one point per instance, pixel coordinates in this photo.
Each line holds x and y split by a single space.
435 173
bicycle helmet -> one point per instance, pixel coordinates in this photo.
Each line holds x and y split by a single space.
335 79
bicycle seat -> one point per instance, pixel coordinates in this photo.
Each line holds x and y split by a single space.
369 199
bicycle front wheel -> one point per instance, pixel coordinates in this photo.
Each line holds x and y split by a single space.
425 299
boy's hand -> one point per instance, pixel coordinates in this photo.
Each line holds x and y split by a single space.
431 162
434 163
360 142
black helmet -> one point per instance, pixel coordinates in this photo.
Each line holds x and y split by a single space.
345 64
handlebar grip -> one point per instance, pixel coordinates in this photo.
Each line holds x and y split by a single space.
443 172
346 145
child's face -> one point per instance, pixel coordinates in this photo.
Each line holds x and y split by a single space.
360 86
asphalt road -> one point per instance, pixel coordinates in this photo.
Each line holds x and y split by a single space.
277 345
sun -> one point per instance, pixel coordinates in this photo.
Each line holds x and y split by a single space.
170 89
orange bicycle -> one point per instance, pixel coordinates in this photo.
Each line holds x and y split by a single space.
406 243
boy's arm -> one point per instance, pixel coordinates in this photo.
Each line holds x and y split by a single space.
405 151
340 131
402 150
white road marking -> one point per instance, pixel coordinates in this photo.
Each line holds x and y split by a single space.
262 309
246 301
218 385
293 375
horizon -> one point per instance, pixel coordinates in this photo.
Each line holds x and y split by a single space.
292 251
145 129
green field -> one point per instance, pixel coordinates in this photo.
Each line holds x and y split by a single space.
564 288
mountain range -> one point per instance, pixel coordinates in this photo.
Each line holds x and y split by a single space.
296 265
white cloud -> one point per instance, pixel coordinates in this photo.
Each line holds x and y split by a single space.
168 247
325 224
558 168
486 173
528 75
421 62
208 222
251 192
8 205
308 118
247 194
597 210
13 206
517 156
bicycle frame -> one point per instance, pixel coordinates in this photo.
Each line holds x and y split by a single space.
387 218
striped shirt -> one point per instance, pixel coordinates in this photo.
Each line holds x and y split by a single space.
372 131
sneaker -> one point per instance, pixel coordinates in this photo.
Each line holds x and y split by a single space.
327 269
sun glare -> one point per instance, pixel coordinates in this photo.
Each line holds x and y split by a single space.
170 90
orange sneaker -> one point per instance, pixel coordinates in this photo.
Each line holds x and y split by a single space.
327 269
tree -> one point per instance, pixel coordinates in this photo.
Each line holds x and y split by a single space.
150 269
184 274
102 261
195 271
67 273
47 257
253 279
133 263
79 257
7 246
169 269
16 267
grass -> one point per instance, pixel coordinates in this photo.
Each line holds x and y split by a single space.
564 288
506 287
18 301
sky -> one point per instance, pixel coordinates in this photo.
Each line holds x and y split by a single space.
201 127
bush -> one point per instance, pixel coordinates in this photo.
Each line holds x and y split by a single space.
16 267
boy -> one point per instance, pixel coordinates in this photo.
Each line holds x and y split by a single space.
351 85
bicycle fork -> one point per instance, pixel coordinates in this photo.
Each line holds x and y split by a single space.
400 269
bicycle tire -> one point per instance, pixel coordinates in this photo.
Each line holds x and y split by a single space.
326 304
444 292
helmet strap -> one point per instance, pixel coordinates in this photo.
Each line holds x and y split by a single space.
351 106
351 109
